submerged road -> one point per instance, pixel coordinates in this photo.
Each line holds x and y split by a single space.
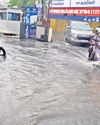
48 84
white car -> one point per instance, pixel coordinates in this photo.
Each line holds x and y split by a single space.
78 32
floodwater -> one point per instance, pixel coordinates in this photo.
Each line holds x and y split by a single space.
48 84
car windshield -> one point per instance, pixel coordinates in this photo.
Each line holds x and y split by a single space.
80 26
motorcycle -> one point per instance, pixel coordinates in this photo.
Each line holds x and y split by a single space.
94 52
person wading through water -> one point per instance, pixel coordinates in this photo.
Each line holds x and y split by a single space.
94 44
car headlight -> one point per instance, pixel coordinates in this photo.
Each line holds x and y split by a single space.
74 35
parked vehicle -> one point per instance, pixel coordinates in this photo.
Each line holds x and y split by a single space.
10 21
78 32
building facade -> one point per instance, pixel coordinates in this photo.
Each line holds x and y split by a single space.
82 10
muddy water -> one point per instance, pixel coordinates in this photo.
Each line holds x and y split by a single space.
47 84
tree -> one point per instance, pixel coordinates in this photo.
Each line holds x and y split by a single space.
16 3
21 3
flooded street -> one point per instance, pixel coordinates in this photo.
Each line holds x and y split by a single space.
48 84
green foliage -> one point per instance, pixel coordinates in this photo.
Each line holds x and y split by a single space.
17 3
21 3
30 3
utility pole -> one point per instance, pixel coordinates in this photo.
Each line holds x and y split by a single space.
49 2
70 3
42 2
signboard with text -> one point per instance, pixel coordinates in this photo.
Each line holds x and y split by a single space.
85 3
75 3
30 21
60 3
83 10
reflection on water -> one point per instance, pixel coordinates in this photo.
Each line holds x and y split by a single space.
51 82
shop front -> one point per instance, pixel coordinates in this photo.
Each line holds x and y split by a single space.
81 10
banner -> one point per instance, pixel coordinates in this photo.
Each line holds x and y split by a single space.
30 21
81 14
75 11
75 3
60 3
85 3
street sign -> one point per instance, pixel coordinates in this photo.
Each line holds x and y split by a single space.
30 21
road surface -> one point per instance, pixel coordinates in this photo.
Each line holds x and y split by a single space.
48 84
